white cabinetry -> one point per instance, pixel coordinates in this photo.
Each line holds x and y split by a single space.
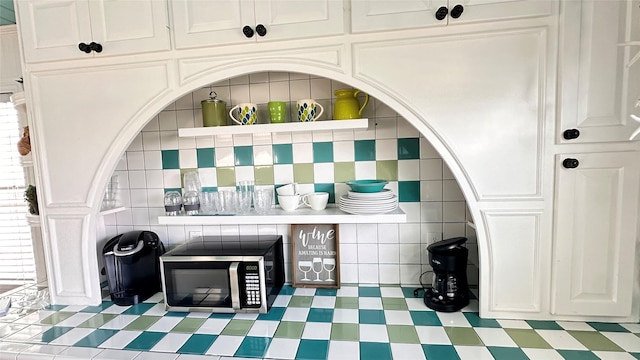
55 29
199 23
598 91
595 234
371 15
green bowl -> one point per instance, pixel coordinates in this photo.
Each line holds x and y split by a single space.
367 186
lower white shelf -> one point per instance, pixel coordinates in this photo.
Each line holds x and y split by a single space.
330 215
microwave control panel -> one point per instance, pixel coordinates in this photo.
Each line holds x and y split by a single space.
252 284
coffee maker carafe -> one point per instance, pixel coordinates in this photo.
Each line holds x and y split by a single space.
449 291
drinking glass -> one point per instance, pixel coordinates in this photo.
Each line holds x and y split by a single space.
317 268
207 203
191 181
110 193
262 200
225 202
305 267
329 265
242 202
172 203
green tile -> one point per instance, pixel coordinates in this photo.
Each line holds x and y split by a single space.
226 176
346 332
282 154
326 292
94 309
344 171
312 350
394 304
577 355
440 352
188 325
365 150
328 188
425 318
289 330
320 315
289 290
594 341
608 327
369 291
197 344
387 170
142 323
253 347
53 333
408 148
96 338
301 301
405 334
138 309
206 157
507 353
97 321
166 190
371 317
635 355
476 321
275 314
237 327
544 325
346 302
170 159
374 350
145 341
463 336
56 317
322 152
303 173
409 191
243 155
263 175
528 338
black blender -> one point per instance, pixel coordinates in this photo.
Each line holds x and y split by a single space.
450 290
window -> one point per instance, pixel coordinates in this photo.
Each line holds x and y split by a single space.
17 264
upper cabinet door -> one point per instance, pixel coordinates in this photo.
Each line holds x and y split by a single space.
206 23
52 29
129 26
375 15
199 23
55 29
598 90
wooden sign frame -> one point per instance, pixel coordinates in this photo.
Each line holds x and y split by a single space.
317 246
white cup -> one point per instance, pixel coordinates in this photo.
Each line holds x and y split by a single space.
289 189
289 202
316 201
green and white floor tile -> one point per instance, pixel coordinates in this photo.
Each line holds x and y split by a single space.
366 322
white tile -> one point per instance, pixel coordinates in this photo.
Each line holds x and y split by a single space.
156 356
431 190
224 157
263 328
247 316
431 169
150 140
28 333
368 274
513 324
367 234
408 170
165 324
119 322
78 353
367 254
398 317
495 337
389 274
295 314
391 292
171 342
365 169
188 158
348 253
324 302
34 317
575 325
302 153
473 353
343 151
389 253
196 357
156 310
373 333
348 291
634 328
386 149
323 173
282 300
560 339
432 335
387 233
628 341
338 350
454 211
113 354
613 355
410 254
121 339
455 319
409 274
317 331
304 292
199 314
542 354
262 155
115 309
225 345
72 336
43 349
370 303
282 348
212 326
348 316
407 351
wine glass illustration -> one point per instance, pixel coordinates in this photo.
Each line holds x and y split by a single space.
329 265
268 267
317 264
305 267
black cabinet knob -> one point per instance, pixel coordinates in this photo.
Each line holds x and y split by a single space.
95 47
261 30
84 48
247 31
441 13
571 134
457 11
570 163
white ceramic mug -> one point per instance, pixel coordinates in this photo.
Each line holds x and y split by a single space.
308 110
289 202
288 189
316 201
247 113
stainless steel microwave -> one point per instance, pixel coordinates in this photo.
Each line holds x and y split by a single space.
223 274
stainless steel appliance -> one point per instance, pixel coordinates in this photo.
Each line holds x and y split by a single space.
450 291
223 274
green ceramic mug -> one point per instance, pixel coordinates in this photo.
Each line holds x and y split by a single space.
277 111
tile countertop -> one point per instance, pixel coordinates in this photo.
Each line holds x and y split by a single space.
365 322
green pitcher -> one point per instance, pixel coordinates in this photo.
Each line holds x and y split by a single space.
347 105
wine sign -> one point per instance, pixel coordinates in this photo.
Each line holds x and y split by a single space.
315 256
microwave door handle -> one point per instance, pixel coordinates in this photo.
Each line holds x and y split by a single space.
235 285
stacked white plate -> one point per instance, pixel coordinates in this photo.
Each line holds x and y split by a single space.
359 203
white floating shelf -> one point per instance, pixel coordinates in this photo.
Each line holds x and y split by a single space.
331 215
112 211
275 128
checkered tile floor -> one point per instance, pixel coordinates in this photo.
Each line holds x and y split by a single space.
350 323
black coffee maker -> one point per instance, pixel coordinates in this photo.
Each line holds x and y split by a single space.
450 290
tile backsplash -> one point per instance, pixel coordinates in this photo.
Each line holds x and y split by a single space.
318 161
